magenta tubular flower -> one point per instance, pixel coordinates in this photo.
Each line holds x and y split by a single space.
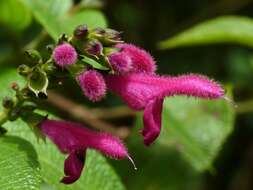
142 91
142 61
65 55
74 139
120 62
92 84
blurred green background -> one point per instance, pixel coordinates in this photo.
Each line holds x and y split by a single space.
204 145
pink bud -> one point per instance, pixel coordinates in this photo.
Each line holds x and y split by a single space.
142 61
65 55
120 62
92 84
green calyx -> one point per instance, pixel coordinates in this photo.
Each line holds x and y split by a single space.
37 82
34 56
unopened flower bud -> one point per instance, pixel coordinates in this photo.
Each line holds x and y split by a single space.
23 70
81 32
14 114
120 62
34 56
65 55
107 36
93 48
63 39
8 102
142 61
15 86
50 48
98 32
113 35
92 84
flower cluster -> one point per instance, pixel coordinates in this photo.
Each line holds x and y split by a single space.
132 76
100 61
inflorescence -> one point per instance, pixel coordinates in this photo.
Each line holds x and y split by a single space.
99 61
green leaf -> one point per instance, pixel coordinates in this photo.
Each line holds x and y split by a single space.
91 18
49 14
19 167
226 29
197 128
93 63
8 76
54 16
14 15
192 135
159 168
97 174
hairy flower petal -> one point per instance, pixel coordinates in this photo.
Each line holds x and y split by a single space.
152 120
73 166
138 89
120 62
65 55
142 91
142 61
73 139
92 84
110 146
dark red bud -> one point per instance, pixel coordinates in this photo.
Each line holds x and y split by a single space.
93 48
15 86
8 102
81 32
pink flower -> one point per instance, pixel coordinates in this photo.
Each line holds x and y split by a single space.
120 62
147 92
65 55
92 84
74 139
142 61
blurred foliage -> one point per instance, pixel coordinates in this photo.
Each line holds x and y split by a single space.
195 150
197 128
14 15
56 16
229 29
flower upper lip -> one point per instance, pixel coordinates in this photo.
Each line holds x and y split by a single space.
145 91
